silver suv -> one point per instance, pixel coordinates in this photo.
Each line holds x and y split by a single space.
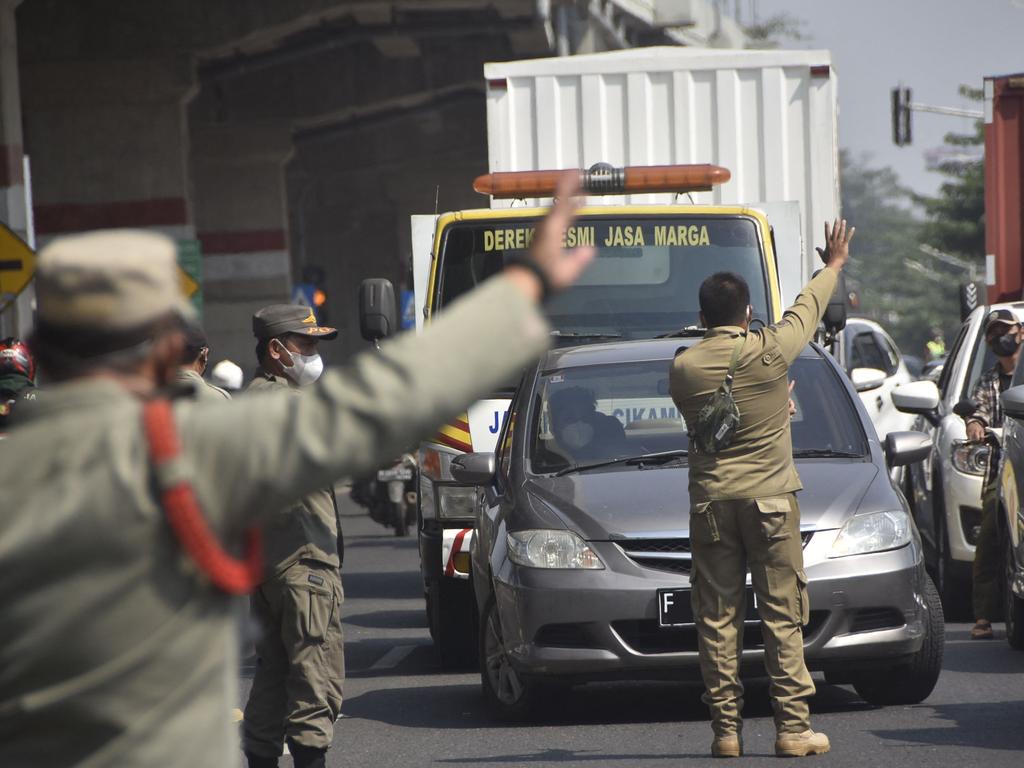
945 490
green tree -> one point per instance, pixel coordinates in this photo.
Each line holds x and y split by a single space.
884 270
775 30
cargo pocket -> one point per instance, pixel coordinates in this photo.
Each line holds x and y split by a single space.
703 526
315 602
803 601
774 514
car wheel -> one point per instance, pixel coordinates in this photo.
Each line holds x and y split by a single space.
451 614
913 682
954 588
508 693
1013 606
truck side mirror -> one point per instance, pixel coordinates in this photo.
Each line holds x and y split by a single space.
835 311
378 309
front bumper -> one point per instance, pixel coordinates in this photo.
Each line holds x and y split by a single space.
866 610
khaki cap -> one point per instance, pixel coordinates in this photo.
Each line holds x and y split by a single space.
109 280
289 318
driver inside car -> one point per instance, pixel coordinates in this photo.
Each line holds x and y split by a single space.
581 431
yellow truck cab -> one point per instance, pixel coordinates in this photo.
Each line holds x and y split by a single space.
651 260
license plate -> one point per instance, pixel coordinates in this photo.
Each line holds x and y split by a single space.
675 609
395 473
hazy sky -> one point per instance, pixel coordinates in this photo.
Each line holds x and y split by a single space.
931 46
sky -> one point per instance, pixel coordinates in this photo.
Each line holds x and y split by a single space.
930 46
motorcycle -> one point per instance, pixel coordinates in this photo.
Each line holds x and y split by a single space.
390 494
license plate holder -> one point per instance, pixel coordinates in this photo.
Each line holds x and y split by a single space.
675 609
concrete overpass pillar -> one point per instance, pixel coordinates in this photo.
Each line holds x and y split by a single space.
239 204
16 319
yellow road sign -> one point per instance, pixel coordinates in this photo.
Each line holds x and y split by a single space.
17 265
189 286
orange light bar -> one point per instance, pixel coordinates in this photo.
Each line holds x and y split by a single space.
603 179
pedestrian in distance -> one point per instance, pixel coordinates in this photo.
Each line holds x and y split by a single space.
732 389
300 657
1003 334
194 360
123 512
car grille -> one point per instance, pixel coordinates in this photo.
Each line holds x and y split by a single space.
647 637
872 619
668 554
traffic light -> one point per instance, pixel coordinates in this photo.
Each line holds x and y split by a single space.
901 116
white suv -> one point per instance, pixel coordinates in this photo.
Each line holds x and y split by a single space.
945 490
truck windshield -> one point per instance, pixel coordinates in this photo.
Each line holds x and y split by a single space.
643 283
591 414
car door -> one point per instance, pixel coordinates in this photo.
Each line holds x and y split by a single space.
866 352
896 375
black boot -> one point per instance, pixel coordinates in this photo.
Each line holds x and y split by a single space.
258 761
307 757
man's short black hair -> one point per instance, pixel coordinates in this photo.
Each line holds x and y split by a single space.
724 298
195 342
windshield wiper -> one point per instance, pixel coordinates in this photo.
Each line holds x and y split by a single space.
586 335
689 332
825 453
662 457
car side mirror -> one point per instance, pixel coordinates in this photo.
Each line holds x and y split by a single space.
903 448
835 310
866 379
1013 402
919 397
965 408
378 309
473 468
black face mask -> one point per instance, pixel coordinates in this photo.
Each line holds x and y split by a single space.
1005 345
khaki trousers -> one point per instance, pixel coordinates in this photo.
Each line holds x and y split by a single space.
296 691
727 538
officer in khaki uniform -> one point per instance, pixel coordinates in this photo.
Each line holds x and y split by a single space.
194 360
743 508
115 648
297 689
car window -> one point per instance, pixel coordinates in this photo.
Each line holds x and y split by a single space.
951 358
865 352
594 413
982 359
890 354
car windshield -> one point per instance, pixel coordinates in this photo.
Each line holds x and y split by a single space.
643 282
591 414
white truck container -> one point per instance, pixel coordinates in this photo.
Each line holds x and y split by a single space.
770 117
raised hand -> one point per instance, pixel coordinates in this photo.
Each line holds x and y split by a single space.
837 245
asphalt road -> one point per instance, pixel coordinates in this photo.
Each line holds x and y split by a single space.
402 709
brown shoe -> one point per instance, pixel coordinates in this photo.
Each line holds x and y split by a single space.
801 744
727 746
982 630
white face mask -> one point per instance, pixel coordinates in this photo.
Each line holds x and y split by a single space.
576 434
305 369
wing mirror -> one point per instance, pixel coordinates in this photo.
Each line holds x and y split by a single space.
473 468
1013 402
965 408
918 397
866 379
378 309
903 448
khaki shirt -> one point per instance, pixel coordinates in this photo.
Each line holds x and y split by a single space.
305 530
759 463
201 388
113 651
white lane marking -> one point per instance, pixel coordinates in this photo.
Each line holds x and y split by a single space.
394 657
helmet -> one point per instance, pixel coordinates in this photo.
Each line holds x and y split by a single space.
15 357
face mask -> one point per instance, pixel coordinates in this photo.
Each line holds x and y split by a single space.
1005 345
576 434
305 369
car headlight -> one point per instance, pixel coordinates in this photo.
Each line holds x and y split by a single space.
873 532
971 458
551 549
456 500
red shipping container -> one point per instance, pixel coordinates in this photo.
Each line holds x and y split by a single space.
1004 187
